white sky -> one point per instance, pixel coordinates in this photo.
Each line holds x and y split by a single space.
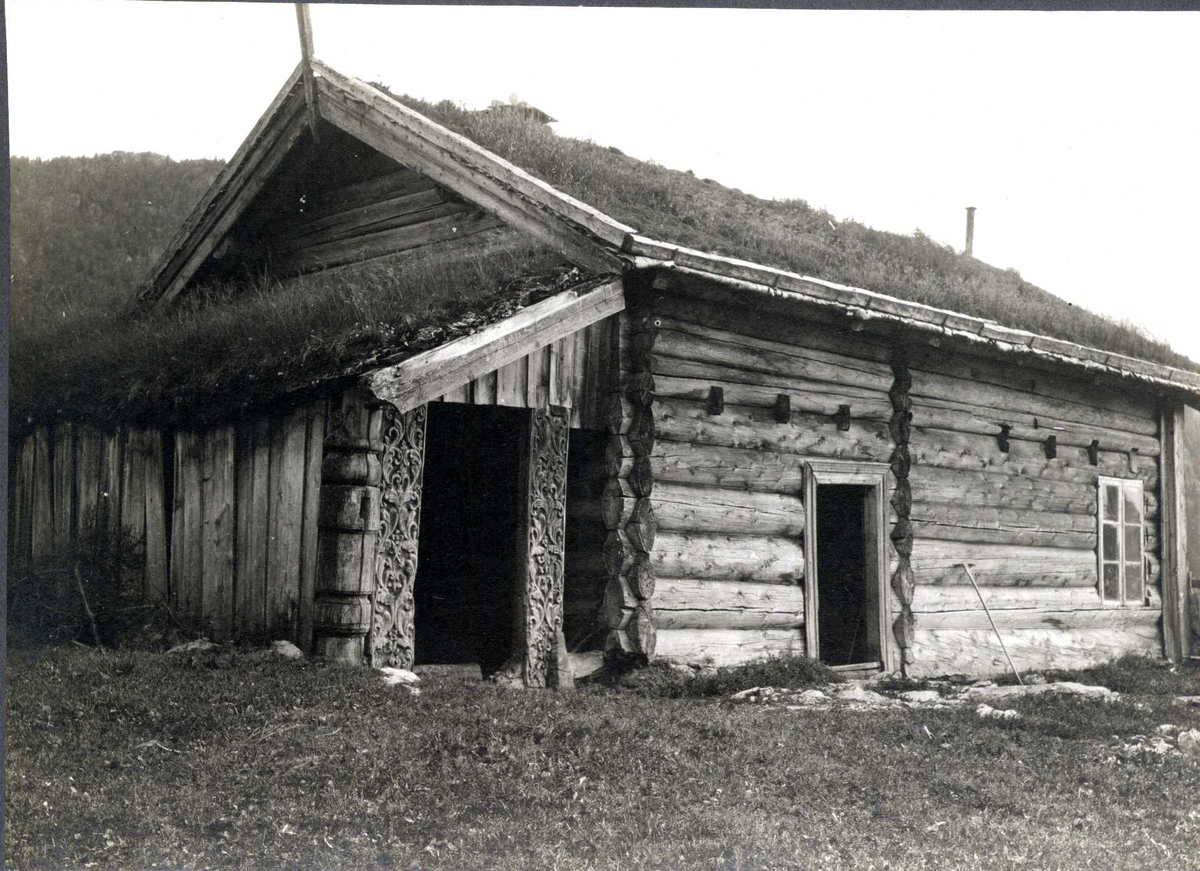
1075 135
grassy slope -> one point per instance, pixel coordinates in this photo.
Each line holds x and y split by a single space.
677 207
132 759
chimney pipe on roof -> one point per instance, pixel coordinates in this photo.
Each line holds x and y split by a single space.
970 230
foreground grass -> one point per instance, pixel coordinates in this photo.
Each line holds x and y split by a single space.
136 760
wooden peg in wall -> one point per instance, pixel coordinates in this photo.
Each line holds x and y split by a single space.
1050 446
716 400
1133 461
1003 438
843 417
1094 452
783 408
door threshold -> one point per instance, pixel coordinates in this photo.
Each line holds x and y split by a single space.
858 669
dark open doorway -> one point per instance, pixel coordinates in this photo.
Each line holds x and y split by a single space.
470 527
847 593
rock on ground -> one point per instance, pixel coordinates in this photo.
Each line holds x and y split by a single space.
199 645
1020 692
399 676
1189 742
286 649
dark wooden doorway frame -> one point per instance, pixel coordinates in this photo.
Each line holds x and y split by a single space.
874 477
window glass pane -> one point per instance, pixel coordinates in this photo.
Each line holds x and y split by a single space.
1110 542
1133 582
1112 582
1133 505
1133 541
1112 498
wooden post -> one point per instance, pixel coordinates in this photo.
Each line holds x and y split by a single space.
1173 514
347 529
402 469
64 481
538 617
304 23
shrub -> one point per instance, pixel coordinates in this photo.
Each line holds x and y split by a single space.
49 598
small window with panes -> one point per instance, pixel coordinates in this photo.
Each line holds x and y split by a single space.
1122 567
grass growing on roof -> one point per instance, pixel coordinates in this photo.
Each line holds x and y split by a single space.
132 760
233 347
678 207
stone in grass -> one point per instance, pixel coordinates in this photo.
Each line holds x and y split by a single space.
1189 742
859 695
393 676
286 649
401 677
745 694
1166 728
987 712
200 645
1188 700
921 696
1064 688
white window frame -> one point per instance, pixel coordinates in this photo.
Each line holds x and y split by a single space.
1126 487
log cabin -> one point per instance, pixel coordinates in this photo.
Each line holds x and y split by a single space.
664 453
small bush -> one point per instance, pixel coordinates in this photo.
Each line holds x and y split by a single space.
46 596
660 680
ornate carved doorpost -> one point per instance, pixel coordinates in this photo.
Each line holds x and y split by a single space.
538 617
392 637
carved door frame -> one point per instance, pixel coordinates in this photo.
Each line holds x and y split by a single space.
539 576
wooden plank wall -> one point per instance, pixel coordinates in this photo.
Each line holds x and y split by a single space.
578 372
244 526
240 557
729 554
69 479
1026 522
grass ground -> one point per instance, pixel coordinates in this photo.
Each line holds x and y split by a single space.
139 760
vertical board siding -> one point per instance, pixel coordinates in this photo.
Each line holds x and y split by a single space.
64 484
314 452
285 515
89 444
43 495
240 559
154 487
576 372
186 556
217 536
133 504
22 501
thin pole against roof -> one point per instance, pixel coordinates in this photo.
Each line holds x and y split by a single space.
304 22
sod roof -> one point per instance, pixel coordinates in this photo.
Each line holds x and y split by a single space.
678 208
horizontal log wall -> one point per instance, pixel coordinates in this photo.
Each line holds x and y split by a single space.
228 532
1025 521
741 401
578 372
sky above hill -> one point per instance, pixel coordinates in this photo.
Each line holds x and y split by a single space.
1074 135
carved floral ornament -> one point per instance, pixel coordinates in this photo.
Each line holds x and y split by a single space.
392 605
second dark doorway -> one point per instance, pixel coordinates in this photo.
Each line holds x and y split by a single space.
846 607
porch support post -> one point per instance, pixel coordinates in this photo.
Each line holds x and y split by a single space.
537 649
1173 511
347 528
392 640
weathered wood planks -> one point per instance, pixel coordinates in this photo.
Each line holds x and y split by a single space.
217 537
286 488
694 604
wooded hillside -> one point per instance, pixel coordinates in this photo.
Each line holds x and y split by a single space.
86 230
